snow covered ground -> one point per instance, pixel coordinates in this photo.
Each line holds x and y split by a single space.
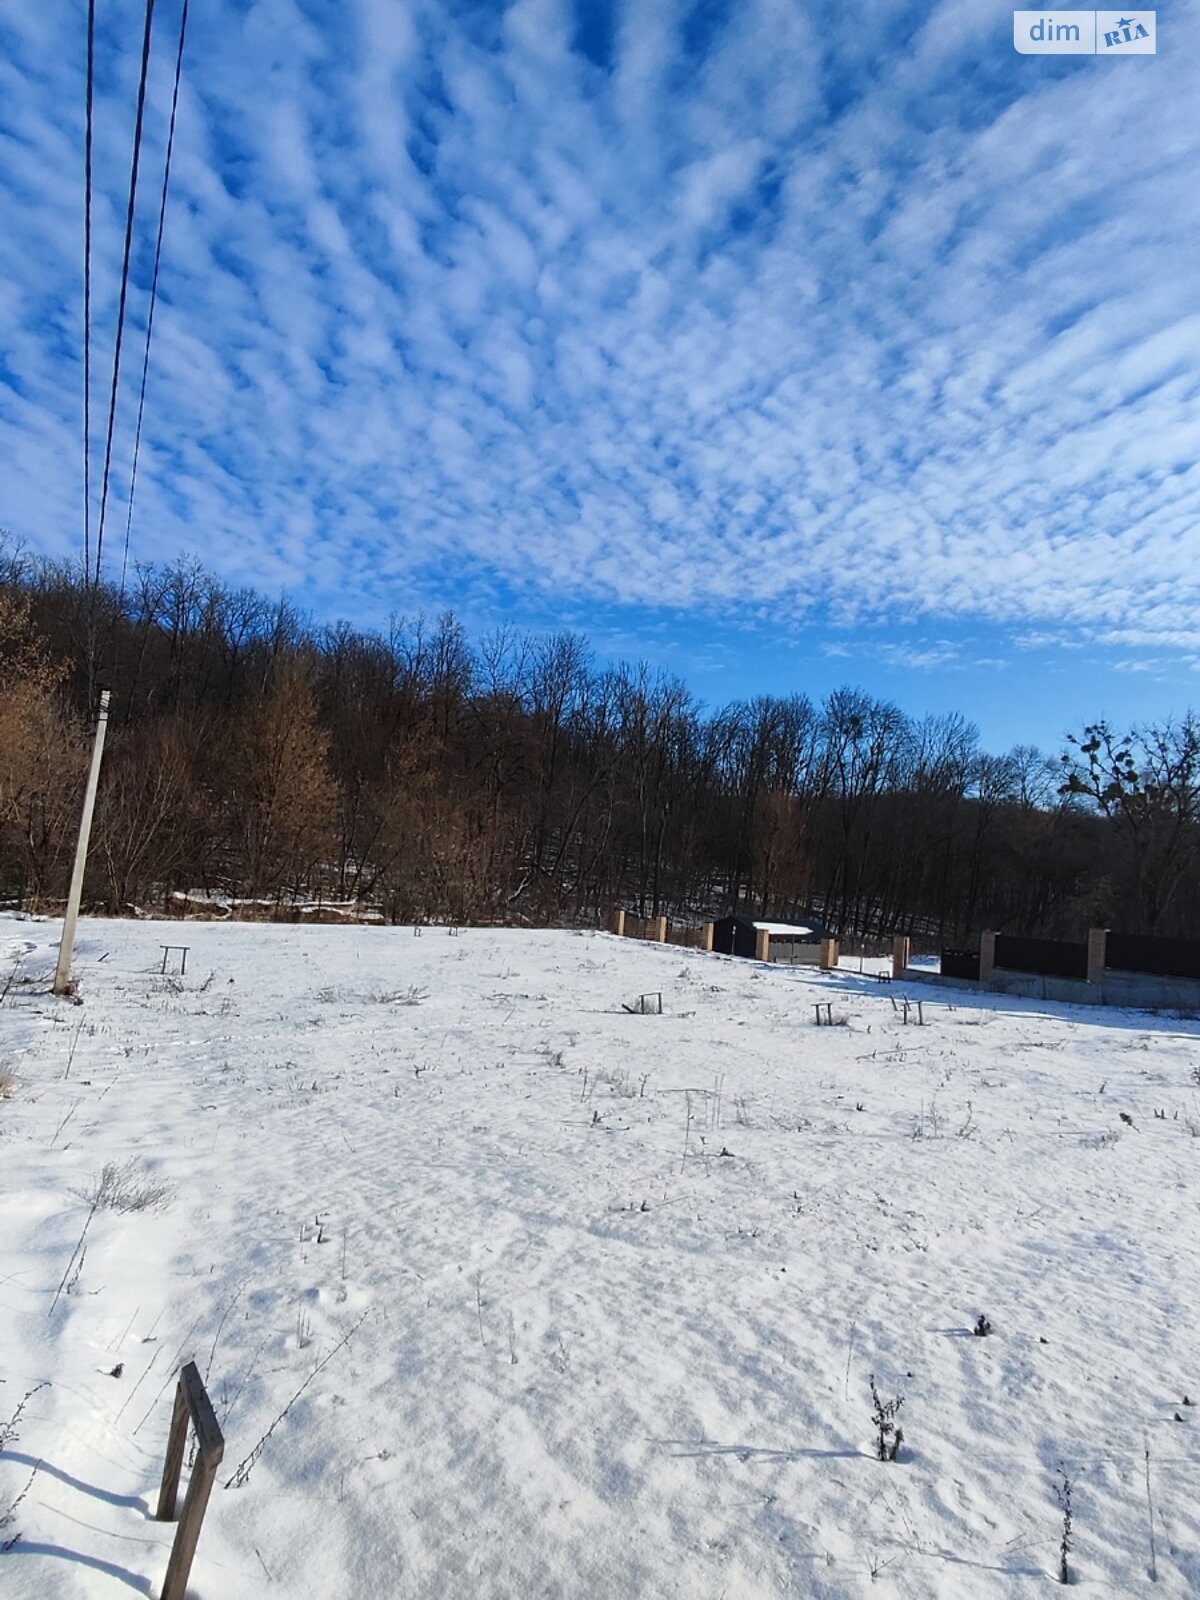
614 1285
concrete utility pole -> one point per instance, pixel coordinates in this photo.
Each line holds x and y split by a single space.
62 973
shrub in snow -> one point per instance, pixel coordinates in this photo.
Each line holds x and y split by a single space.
889 1435
1100 1141
1064 1547
124 1188
8 1516
620 1082
10 1431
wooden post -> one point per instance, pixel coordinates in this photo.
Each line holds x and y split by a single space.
709 930
660 930
829 954
168 1492
901 951
195 1504
762 945
191 1402
987 956
618 923
1097 956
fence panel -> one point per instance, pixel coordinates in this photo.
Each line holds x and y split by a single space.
1164 958
960 964
792 953
1052 958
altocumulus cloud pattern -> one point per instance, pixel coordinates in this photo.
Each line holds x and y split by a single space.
768 309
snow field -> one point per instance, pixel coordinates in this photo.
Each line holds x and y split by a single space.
615 1285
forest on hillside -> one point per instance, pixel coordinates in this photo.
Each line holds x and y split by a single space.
255 754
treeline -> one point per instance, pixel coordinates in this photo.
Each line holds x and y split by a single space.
255 755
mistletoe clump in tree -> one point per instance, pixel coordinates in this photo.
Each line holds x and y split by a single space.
1147 784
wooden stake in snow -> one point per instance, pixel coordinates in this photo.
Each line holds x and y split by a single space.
62 973
191 1403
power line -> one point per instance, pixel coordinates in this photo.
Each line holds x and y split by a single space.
162 218
116 375
87 295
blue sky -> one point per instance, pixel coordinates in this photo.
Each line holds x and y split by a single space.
779 345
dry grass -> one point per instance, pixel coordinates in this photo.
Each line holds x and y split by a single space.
620 1082
411 996
126 1187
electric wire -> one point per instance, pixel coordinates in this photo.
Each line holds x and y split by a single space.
116 373
87 293
162 218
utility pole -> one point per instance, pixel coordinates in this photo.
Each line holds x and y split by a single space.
62 973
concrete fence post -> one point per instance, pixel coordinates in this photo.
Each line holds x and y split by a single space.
987 956
829 954
618 923
762 945
1097 956
901 951
709 930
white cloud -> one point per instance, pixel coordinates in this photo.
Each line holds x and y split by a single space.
785 325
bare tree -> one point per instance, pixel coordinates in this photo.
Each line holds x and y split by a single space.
281 794
1147 783
41 756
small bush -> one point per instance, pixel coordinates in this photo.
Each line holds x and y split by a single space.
889 1436
125 1188
8 1516
1101 1141
620 1082
1065 1544
9 1436
10 1431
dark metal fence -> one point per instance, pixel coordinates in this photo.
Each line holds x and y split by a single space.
1165 958
1053 958
960 964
